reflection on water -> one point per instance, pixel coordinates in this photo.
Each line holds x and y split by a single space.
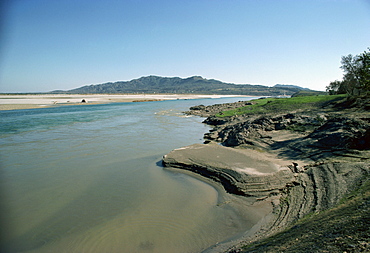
87 179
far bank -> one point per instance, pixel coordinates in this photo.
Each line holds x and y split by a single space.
15 101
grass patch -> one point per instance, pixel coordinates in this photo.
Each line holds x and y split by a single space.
279 105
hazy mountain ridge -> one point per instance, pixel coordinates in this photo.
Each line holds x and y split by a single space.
290 86
194 84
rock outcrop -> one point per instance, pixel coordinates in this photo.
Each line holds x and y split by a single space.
206 111
247 130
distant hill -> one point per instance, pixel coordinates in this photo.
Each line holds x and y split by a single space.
172 85
305 93
289 86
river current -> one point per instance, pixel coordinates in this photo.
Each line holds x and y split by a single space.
88 178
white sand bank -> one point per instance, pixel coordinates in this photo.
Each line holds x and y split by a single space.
14 102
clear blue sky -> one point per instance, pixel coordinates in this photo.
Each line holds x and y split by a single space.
64 44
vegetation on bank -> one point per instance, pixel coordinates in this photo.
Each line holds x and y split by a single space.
304 93
280 105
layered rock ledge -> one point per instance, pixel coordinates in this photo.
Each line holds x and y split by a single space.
241 172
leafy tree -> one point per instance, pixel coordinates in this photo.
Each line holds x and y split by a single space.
364 71
356 78
351 79
336 87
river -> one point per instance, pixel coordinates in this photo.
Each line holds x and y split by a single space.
88 178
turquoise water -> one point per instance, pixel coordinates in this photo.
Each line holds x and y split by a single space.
88 179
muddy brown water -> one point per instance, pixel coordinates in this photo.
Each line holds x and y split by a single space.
88 179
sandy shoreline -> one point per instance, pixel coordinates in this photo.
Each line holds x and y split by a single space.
15 102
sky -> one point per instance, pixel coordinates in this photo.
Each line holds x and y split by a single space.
49 45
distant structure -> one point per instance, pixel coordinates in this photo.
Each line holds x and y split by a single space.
83 101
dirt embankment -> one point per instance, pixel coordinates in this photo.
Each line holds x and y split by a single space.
328 152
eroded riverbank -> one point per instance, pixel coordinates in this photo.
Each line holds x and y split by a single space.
320 164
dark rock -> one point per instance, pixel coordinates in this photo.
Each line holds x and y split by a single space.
343 133
215 121
211 110
197 108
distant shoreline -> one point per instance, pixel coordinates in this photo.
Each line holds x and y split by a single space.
18 102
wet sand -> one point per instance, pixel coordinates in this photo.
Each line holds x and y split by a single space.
15 102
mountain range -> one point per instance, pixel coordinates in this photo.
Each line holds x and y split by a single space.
177 85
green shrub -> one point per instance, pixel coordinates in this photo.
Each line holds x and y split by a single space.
280 105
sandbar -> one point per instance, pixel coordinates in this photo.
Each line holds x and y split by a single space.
15 102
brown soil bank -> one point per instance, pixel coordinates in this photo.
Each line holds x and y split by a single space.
313 166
